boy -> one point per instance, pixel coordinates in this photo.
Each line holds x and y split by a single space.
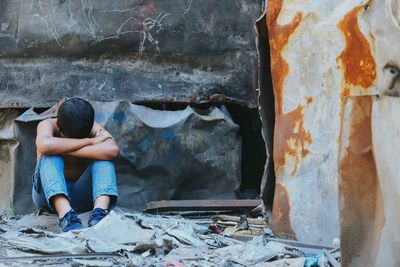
74 169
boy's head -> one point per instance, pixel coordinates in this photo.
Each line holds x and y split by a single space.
75 118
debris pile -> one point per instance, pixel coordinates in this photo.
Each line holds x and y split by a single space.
140 239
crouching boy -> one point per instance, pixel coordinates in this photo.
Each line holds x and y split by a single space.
74 171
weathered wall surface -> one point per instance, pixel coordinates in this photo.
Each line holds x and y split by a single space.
369 187
370 196
136 50
8 145
385 136
361 212
334 141
184 154
304 45
128 50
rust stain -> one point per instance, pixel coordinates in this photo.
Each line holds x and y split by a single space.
362 215
290 135
310 99
278 38
281 213
291 138
359 66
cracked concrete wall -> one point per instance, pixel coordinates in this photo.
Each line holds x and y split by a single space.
136 50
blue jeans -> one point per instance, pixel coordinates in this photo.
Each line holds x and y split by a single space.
48 180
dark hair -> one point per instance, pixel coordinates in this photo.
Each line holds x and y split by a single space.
75 118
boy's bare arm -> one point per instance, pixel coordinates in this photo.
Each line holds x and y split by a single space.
105 150
48 144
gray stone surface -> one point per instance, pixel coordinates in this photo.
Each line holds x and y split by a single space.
73 27
184 154
134 50
41 82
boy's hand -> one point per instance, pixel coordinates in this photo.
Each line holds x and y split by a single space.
99 149
100 137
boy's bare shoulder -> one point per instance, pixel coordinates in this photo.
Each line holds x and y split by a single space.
48 123
47 126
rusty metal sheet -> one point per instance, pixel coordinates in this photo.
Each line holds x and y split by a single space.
359 68
386 147
369 187
320 54
215 204
361 209
332 137
304 45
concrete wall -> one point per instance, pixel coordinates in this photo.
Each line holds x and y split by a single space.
136 50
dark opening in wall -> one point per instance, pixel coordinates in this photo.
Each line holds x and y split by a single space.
253 148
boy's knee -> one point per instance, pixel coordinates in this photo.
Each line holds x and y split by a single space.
103 168
51 165
52 159
103 164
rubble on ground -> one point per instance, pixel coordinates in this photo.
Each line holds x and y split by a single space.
140 239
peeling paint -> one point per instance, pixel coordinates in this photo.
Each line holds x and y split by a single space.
281 213
291 138
278 38
359 68
321 71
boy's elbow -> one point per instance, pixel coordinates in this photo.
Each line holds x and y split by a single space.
44 148
114 152
110 154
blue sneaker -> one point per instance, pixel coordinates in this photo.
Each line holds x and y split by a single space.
97 215
70 221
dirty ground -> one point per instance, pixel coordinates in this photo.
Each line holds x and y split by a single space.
140 239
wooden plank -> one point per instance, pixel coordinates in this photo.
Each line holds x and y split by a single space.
203 205
298 244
